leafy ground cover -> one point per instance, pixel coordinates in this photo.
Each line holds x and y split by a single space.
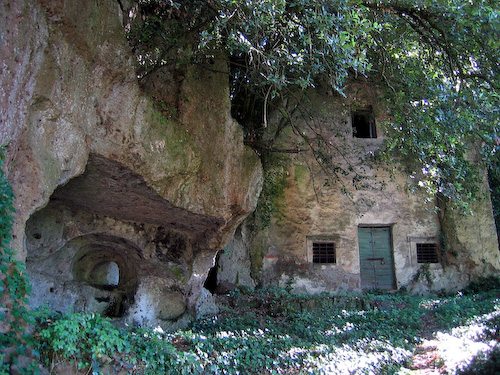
275 332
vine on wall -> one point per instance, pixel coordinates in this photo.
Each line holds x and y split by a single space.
15 343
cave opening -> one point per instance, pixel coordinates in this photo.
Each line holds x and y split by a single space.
211 280
103 236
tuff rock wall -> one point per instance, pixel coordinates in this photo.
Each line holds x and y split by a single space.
119 207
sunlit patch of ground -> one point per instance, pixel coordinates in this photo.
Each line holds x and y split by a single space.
455 352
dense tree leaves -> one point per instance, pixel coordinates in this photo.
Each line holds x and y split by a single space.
441 79
436 63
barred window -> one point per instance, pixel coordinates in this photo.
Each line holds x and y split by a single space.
324 252
427 253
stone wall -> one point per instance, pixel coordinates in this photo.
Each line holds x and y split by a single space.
97 169
313 208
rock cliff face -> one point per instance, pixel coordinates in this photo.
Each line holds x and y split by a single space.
120 208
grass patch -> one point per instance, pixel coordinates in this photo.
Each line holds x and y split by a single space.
274 332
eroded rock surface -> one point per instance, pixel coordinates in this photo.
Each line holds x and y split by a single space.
113 197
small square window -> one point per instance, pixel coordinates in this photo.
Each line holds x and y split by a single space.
324 252
427 253
363 123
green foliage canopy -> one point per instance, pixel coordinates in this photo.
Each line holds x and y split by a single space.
439 61
436 63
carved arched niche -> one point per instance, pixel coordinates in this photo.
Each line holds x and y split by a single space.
94 272
109 265
105 267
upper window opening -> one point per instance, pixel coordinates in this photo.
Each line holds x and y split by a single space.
427 253
324 252
363 123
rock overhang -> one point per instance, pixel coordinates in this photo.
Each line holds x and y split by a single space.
110 188
96 168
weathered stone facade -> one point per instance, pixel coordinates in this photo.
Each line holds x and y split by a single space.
313 212
120 207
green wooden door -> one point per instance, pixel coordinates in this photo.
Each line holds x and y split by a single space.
375 258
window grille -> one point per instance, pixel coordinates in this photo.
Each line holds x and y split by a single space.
427 253
324 252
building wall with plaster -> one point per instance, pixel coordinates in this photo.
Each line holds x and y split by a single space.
371 196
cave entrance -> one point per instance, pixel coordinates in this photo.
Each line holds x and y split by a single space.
105 232
211 280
